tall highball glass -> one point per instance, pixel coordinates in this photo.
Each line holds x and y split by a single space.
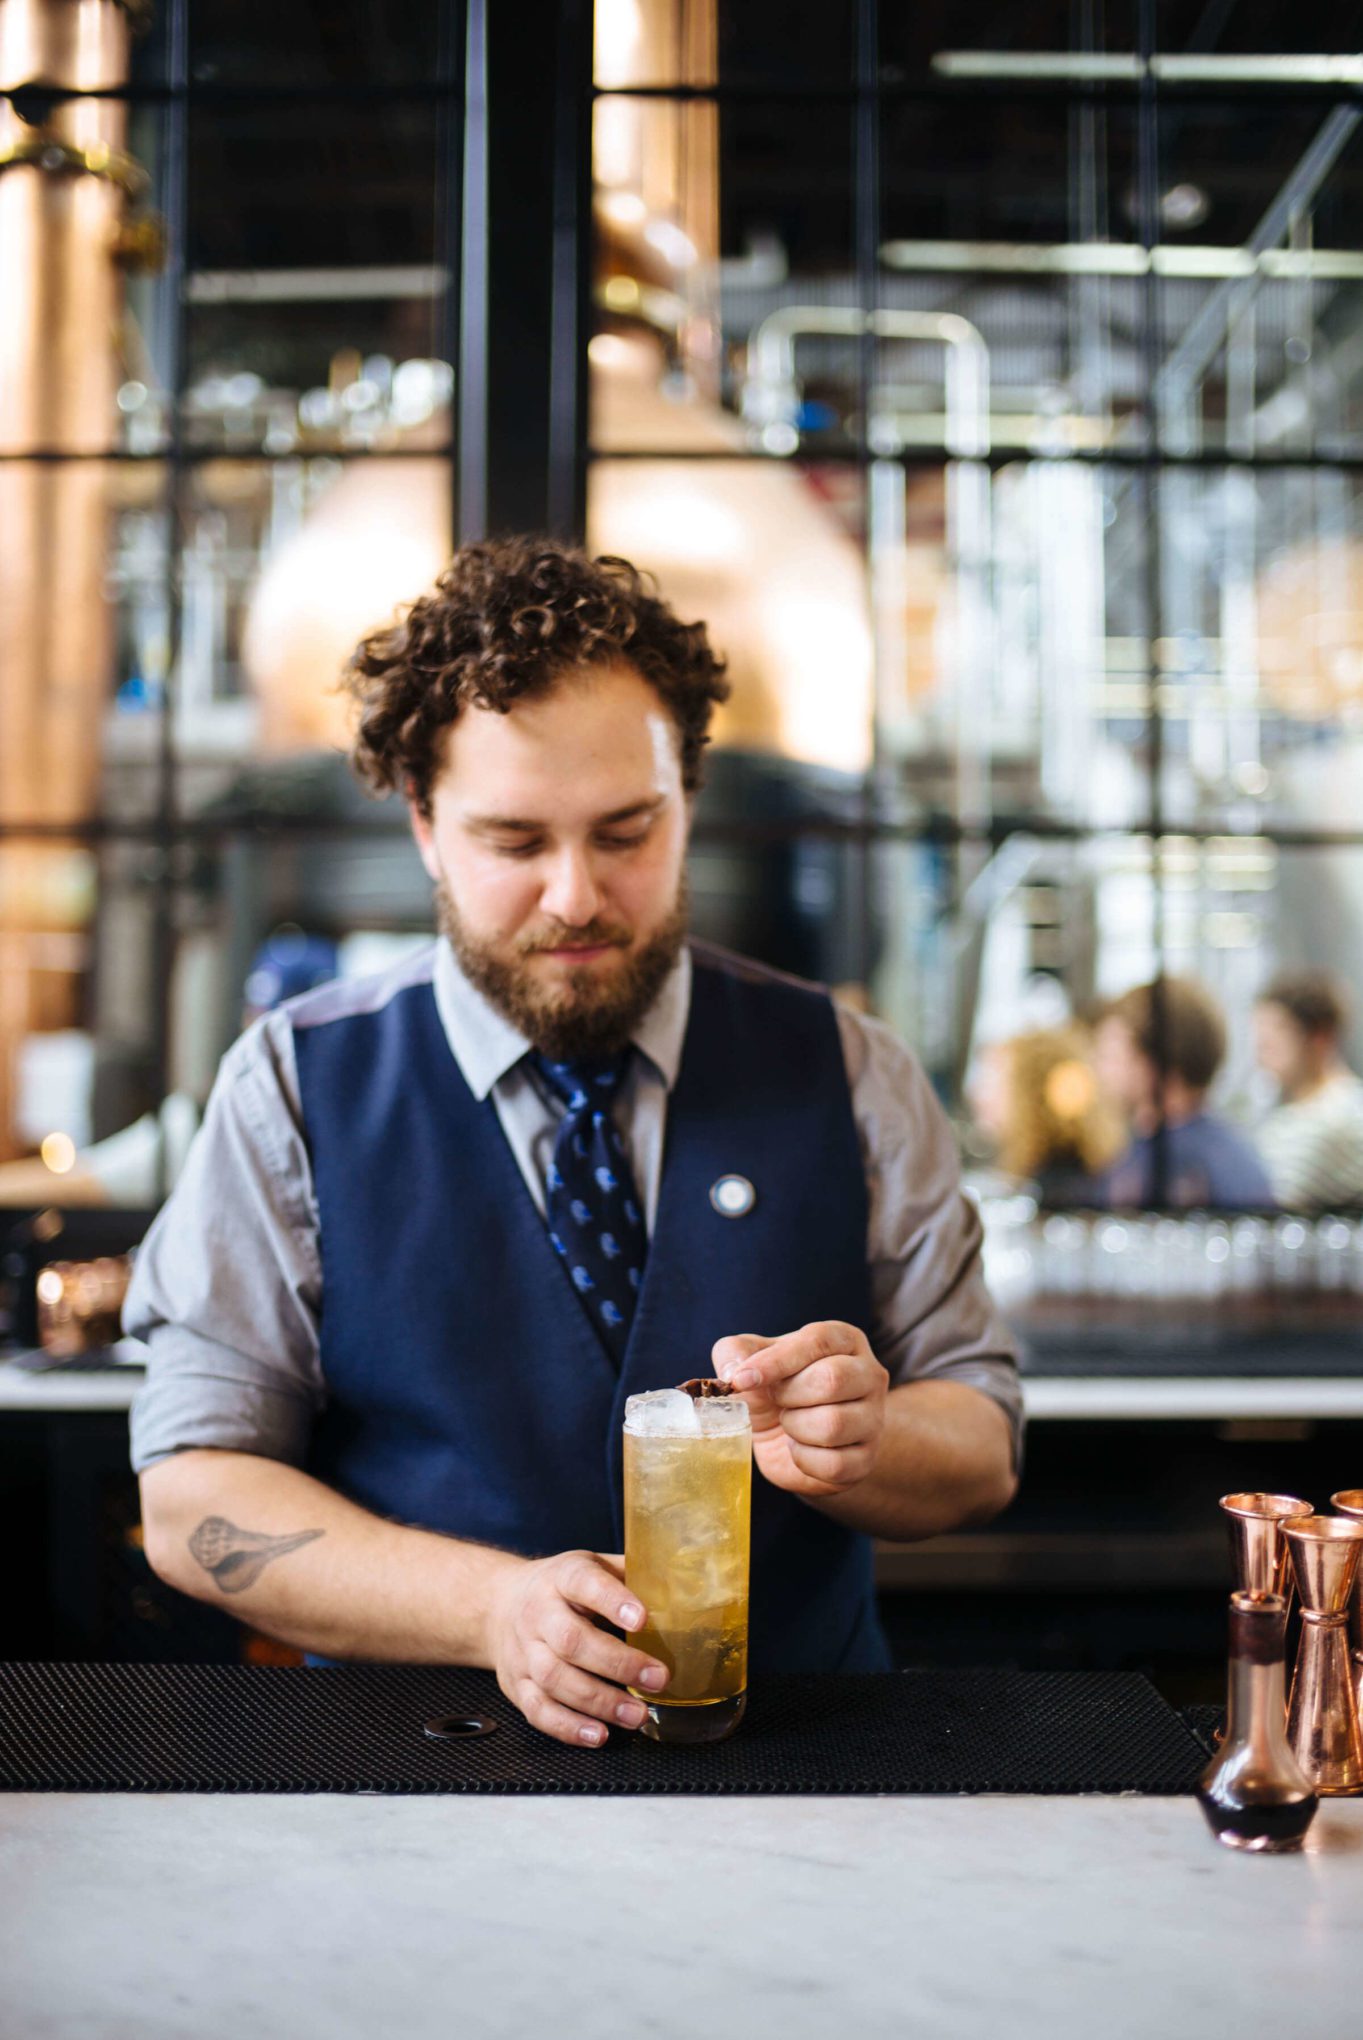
688 1501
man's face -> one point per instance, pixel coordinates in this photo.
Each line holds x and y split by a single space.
1125 1074
1281 1046
557 841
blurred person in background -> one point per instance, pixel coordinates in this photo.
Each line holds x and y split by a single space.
1312 1142
134 1166
1037 1099
1157 1050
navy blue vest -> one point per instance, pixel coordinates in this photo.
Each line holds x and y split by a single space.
467 1392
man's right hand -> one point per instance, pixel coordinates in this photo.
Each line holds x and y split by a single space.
551 1658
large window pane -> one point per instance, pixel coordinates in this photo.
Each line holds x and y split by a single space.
355 42
271 911
768 554
47 898
120 1004
316 303
1313 920
84 310
85 597
285 565
773 876
1254 27
1010 289
1009 611
723 42
1261 651
324 43
1261 276
918 967
724 270
1235 911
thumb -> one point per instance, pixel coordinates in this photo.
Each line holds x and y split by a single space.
728 1354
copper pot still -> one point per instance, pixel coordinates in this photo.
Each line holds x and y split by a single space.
66 183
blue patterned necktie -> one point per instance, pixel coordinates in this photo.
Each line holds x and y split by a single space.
596 1222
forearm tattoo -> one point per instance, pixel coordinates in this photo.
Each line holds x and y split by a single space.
236 1558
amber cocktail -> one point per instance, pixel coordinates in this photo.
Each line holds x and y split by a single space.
688 1500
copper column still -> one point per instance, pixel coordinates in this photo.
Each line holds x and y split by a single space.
1322 1716
65 182
1349 1502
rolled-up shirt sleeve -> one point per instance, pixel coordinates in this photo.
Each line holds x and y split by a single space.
227 1286
933 1318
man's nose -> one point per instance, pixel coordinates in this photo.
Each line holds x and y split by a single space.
571 894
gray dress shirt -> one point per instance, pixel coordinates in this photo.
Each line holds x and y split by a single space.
227 1289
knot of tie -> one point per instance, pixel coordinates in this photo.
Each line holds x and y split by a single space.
580 1084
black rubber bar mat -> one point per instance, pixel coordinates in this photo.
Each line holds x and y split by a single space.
225 1728
1206 1720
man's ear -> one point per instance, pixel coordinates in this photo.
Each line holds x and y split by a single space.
425 840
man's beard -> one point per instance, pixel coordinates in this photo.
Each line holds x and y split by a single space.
579 1018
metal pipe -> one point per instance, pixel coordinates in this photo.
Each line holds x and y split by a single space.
771 358
1120 67
1121 258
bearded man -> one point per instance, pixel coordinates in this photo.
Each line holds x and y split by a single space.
440 1223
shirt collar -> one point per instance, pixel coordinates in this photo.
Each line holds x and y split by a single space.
486 1045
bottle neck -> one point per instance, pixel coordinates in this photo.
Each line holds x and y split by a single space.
1257 1707
1256 1711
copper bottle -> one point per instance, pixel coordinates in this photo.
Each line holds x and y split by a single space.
1258 1550
1254 1792
1349 1502
1322 1715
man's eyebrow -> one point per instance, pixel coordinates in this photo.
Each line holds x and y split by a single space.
636 809
486 825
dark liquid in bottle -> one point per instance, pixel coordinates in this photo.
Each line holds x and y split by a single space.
1271 1825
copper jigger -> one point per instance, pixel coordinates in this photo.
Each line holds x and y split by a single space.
1322 1715
1258 1550
1349 1502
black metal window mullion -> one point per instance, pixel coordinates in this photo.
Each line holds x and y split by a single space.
174 368
866 139
263 824
570 309
1147 482
526 212
449 171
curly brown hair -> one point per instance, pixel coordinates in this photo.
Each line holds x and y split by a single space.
1055 1111
504 622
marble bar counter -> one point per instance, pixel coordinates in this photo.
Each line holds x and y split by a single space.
212 1918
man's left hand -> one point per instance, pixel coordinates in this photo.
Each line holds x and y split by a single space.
817 1402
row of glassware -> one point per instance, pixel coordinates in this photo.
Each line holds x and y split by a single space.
1031 1253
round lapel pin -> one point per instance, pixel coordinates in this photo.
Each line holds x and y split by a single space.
733 1196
